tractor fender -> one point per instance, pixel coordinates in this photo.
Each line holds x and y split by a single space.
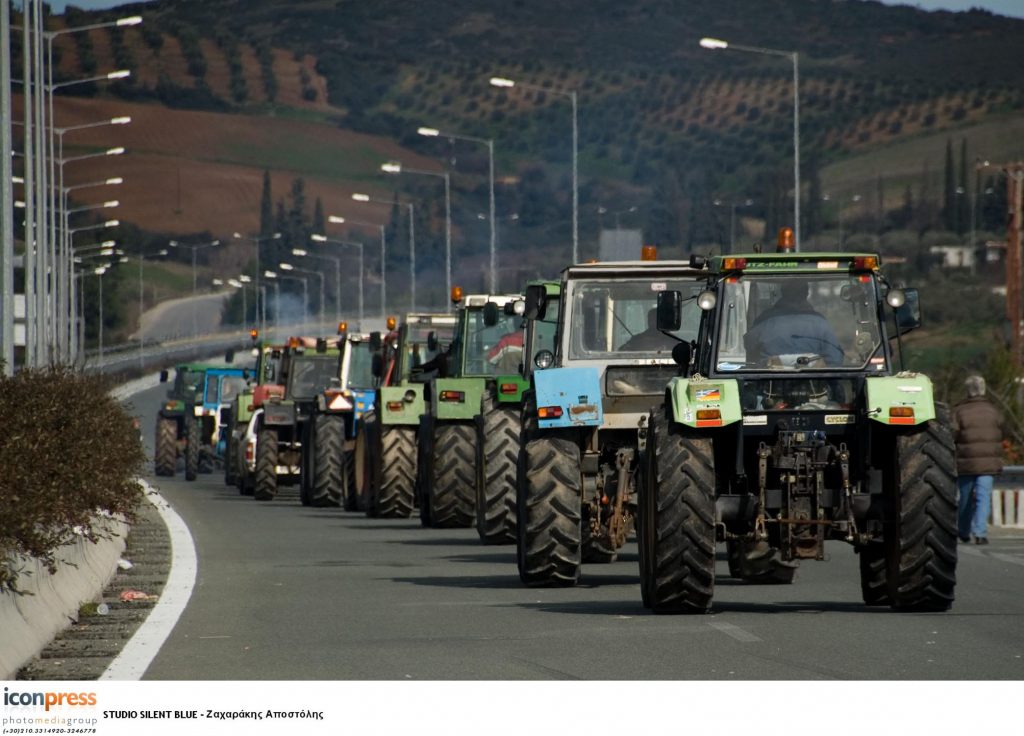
904 399
700 402
572 394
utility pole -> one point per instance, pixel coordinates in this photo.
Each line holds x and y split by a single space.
6 198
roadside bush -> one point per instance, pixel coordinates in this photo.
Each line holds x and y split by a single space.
69 453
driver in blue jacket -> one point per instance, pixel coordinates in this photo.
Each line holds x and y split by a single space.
792 327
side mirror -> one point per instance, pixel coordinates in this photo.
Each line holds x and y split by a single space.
163 376
375 341
490 314
681 353
229 355
908 314
536 301
377 365
670 311
432 341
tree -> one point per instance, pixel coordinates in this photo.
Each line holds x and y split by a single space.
266 208
949 190
319 221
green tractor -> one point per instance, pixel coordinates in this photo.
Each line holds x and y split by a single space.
386 443
447 458
174 417
794 422
500 422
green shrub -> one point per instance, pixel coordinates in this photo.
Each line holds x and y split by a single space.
69 452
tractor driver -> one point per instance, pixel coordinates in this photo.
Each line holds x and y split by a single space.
792 327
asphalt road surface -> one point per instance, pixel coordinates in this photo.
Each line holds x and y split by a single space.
287 592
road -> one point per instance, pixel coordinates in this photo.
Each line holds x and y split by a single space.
286 592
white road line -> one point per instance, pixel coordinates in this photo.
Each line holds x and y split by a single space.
734 631
142 648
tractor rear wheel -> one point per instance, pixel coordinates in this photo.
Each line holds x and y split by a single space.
192 427
328 460
549 502
165 453
874 584
396 462
453 488
921 533
498 449
266 465
677 519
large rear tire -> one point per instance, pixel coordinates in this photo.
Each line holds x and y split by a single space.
549 503
921 533
266 465
165 452
396 459
192 433
677 519
328 451
453 490
498 450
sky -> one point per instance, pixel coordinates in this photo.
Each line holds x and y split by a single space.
1014 8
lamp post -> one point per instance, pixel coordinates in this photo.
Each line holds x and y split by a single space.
272 275
336 219
296 269
489 142
194 248
395 167
358 197
715 44
256 240
303 253
319 238
747 202
141 258
571 94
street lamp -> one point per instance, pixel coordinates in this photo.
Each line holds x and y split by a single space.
717 44
489 142
395 167
303 253
319 238
194 248
571 94
732 218
383 246
296 269
601 211
256 240
272 277
358 197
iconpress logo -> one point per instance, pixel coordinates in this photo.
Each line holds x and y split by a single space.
48 700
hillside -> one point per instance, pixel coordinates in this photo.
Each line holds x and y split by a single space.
656 112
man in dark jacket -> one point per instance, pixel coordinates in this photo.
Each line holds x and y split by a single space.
978 431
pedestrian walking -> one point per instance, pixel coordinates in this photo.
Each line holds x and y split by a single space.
978 432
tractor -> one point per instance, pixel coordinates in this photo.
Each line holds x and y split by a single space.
386 444
585 413
446 453
500 422
794 422
171 422
208 418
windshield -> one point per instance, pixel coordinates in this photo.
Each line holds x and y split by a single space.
491 351
311 375
188 382
230 387
416 351
360 365
620 317
799 322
